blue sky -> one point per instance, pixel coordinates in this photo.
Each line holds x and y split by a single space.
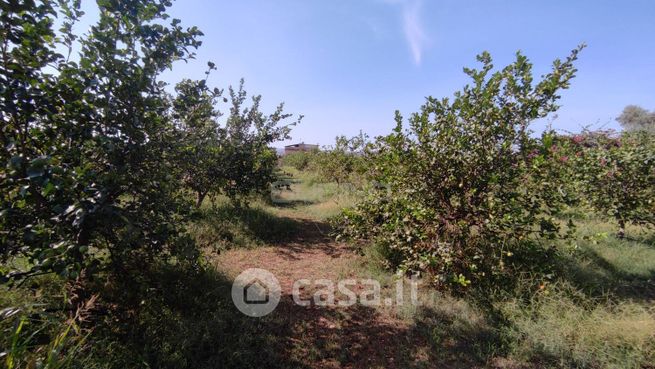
348 64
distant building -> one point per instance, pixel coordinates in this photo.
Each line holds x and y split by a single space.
299 147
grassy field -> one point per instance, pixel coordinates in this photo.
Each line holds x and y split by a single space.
598 310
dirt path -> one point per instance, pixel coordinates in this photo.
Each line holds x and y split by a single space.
329 337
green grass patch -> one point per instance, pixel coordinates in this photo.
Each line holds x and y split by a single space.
221 226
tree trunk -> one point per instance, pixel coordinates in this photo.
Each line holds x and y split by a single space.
200 198
621 233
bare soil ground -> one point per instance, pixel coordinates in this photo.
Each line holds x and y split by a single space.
329 337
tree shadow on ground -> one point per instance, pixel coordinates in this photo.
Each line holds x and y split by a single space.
292 204
188 320
458 340
598 277
311 236
646 239
228 226
224 227
357 336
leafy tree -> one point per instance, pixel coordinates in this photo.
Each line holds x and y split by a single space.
635 118
617 175
301 160
342 162
200 141
235 158
87 173
469 190
247 162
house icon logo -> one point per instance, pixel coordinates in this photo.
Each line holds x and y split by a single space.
256 292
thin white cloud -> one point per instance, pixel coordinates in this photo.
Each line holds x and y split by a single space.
412 26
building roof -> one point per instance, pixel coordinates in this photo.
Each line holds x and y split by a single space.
301 144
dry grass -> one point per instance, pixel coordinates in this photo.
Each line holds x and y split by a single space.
557 331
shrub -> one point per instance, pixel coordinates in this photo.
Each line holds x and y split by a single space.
617 175
467 186
301 160
344 162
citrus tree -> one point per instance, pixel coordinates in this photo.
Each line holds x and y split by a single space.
247 162
234 158
468 189
342 162
617 175
199 137
87 176
300 160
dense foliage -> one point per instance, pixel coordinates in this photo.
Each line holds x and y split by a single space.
342 162
616 175
248 162
85 140
199 151
98 159
95 150
234 158
467 186
300 160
